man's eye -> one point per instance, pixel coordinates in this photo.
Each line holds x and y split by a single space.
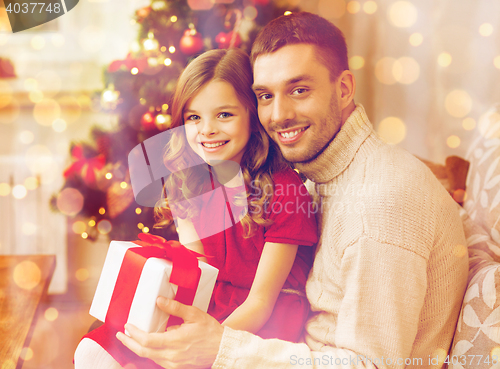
265 96
225 115
299 91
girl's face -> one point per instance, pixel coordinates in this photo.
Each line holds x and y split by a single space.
217 124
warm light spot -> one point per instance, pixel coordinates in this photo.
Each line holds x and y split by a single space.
82 274
288 12
370 7
353 7
495 351
26 137
145 230
356 62
36 96
85 235
69 201
108 175
29 229
5 94
104 226
167 62
140 225
31 183
453 141
406 70
134 71
123 185
79 227
164 107
250 13
26 353
460 250
458 103
441 355
171 49
91 222
38 42
8 364
51 314
46 111
469 124
19 192
9 106
392 130
331 8
444 59
102 211
496 62
30 84
383 70
416 39
59 125
403 14
27 275
173 18
138 210
4 189
485 29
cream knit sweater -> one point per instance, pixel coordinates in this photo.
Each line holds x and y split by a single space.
390 269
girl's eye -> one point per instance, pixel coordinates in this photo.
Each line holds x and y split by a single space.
225 115
192 118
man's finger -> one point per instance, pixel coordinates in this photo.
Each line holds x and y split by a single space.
152 340
186 312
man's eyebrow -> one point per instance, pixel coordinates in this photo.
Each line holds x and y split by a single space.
291 81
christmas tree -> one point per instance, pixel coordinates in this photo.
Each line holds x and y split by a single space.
138 89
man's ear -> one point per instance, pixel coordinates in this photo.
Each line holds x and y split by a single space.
346 84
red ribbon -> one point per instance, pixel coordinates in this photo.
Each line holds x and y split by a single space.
83 164
185 274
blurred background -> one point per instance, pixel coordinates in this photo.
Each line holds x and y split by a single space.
79 92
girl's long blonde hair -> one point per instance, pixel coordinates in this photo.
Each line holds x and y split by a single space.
261 157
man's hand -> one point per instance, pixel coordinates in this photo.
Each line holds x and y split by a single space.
194 344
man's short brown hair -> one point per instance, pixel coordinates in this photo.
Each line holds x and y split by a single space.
304 28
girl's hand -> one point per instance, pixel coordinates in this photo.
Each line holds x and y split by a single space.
192 345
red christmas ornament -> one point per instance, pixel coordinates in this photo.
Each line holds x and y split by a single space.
148 121
143 13
191 42
224 39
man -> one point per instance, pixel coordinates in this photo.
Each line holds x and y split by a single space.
389 273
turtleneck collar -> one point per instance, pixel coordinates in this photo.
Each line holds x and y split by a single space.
340 152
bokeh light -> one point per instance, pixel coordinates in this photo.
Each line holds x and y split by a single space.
59 125
102 211
331 8
4 189
26 137
486 29
108 175
123 185
460 251
167 61
370 7
453 141
496 62
36 96
495 351
29 229
406 70
138 210
91 223
30 84
27 275
51 314
392 130
469 124
200 4
356 62
46 111
38 42
353 7
250 13
82 274
171 49
69 201
5 94
10 112
31 183
140 225
458 103
145 229
8 364
173 18
416 39
19 192
402 14
49 82
85 235
383 70
104 226
79 227
444 59
135 70
441 354
26 354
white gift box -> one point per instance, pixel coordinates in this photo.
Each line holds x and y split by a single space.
153 282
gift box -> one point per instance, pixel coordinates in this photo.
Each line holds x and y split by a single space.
134 276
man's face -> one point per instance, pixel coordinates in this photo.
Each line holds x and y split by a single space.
298 104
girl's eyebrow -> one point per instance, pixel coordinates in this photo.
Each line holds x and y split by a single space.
222 107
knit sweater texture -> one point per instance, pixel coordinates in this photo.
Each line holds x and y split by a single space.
390 268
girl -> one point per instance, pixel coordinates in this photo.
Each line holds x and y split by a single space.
262 268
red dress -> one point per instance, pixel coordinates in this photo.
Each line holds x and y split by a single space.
237 259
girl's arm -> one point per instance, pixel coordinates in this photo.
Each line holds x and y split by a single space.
273 269
189 237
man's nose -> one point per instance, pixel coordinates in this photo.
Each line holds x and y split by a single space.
283 110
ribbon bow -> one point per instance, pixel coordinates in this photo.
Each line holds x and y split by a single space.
86 167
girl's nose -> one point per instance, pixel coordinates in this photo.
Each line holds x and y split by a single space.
208 128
